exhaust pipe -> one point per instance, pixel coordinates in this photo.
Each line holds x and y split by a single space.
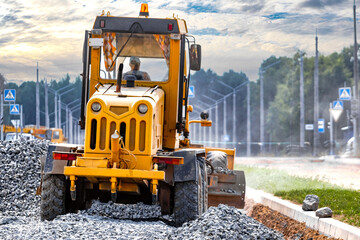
119 77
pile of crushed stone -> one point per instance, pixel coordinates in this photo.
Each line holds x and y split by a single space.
20 210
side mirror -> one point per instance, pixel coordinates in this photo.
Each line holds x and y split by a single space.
204 115
195 57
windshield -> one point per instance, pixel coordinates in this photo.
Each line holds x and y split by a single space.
145 56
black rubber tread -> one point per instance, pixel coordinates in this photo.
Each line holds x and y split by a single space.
190 200
205 185
217 159
186 202
52 196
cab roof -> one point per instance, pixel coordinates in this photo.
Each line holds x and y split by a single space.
140 25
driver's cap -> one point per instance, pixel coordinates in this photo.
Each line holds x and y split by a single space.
135 60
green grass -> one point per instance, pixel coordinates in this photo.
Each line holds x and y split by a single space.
345 203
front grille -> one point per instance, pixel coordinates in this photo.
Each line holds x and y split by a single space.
132 132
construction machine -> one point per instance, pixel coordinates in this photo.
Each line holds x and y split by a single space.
55 135
136 121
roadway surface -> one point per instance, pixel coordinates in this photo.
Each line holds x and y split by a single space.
344 172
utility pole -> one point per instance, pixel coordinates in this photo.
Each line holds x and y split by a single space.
217 122
67 124
302 123
37 98
356 80
224 122
56 111
316 98
21 118
248 125
71 127
331 133
234 119
47 120
261 112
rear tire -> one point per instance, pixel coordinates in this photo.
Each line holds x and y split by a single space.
52 197
205 184
190 198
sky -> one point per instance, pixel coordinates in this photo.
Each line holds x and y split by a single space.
234 34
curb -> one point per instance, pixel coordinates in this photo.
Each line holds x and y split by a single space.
326 226
337 159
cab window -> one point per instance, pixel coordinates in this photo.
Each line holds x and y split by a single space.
56 135
48 134
146 56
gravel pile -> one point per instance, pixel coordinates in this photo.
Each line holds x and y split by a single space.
20 176
224 222
122 211
20 214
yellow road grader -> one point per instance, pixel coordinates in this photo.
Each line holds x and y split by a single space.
137 146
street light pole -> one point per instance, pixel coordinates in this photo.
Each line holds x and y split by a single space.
356 80
302 123
47 123
248 132
37 98
316 97
261 112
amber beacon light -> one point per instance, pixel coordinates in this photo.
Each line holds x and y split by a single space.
144 11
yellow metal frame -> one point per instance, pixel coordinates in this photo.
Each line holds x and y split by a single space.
114 172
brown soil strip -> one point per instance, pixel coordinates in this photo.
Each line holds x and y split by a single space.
290 228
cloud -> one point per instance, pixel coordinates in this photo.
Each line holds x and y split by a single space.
240 33
321 3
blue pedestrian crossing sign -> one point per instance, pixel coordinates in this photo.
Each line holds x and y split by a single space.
9 94
191 93
14 109
345 93
338 105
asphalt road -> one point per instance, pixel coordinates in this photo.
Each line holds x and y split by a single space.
340 171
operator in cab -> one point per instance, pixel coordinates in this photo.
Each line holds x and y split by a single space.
135 70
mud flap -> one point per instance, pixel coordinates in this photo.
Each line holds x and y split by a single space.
189 170
227 189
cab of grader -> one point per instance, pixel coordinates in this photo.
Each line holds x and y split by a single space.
137 146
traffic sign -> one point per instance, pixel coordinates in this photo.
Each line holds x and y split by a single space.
336 113
9 94
321 125
14 109
15 122
191 93
345 93
338 105
309 127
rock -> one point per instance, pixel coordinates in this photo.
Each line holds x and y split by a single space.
324 212
311 203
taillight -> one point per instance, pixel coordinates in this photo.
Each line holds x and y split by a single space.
170 26
65 156
168 160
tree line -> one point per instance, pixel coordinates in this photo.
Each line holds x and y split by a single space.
282 98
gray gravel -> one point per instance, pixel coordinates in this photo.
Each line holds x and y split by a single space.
224 222
20 215
20 176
